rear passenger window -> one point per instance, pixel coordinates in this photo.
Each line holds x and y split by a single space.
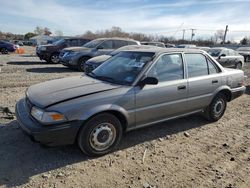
211 67
168 67
119 43
108 44
74 42
132 43
197 65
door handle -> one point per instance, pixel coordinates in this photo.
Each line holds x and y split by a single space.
214 81
181 87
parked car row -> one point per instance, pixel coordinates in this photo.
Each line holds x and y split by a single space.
82 54
50 52
134 88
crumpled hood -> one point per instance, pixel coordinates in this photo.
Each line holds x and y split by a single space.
77 49
52 92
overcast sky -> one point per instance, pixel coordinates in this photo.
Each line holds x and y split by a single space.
165 17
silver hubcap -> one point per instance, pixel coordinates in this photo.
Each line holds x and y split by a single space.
102 136
55 59
218 107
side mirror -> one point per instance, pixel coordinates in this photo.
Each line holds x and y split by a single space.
222 55
149 81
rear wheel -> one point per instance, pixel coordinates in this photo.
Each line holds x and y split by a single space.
4 51
100 135
238 65
217 108
81 63
54 58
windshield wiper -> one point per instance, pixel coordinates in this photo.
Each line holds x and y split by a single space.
107 79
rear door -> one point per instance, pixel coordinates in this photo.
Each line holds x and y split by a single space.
232 58
203 79
166 99
119 43
225 60
105 48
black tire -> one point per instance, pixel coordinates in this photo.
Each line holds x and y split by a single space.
247 59
81 63
238 65
216 109
91 137
4 51
54 58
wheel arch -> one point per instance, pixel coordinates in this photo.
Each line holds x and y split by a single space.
117 111
227 93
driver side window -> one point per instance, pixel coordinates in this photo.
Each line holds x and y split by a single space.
168 67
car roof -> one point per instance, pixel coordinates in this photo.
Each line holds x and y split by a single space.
152 42
167 50
115 38
68 38
220 48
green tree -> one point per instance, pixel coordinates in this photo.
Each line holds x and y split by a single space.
29 35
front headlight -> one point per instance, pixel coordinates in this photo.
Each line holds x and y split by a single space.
47 117
43 48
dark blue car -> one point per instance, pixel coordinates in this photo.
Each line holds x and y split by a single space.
6 47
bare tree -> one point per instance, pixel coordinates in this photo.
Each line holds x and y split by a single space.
218 35
39 30
58 33
47 31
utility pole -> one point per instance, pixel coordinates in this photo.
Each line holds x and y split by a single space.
225 35
183 34
192 34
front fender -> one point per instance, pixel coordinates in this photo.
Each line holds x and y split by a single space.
104 108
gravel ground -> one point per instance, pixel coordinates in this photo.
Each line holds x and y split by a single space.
188 152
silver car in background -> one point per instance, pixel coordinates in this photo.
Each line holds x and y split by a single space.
132 89
227 57
244 51
95 62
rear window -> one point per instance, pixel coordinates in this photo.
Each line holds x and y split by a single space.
199 65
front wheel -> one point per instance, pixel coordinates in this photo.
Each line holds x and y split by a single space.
216 109
100 135
81 63
54 58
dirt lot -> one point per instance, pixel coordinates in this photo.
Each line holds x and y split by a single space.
189 152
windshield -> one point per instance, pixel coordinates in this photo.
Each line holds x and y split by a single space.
93 43
243 49
122 68
214 52
58 42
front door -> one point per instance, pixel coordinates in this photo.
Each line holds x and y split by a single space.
166 99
